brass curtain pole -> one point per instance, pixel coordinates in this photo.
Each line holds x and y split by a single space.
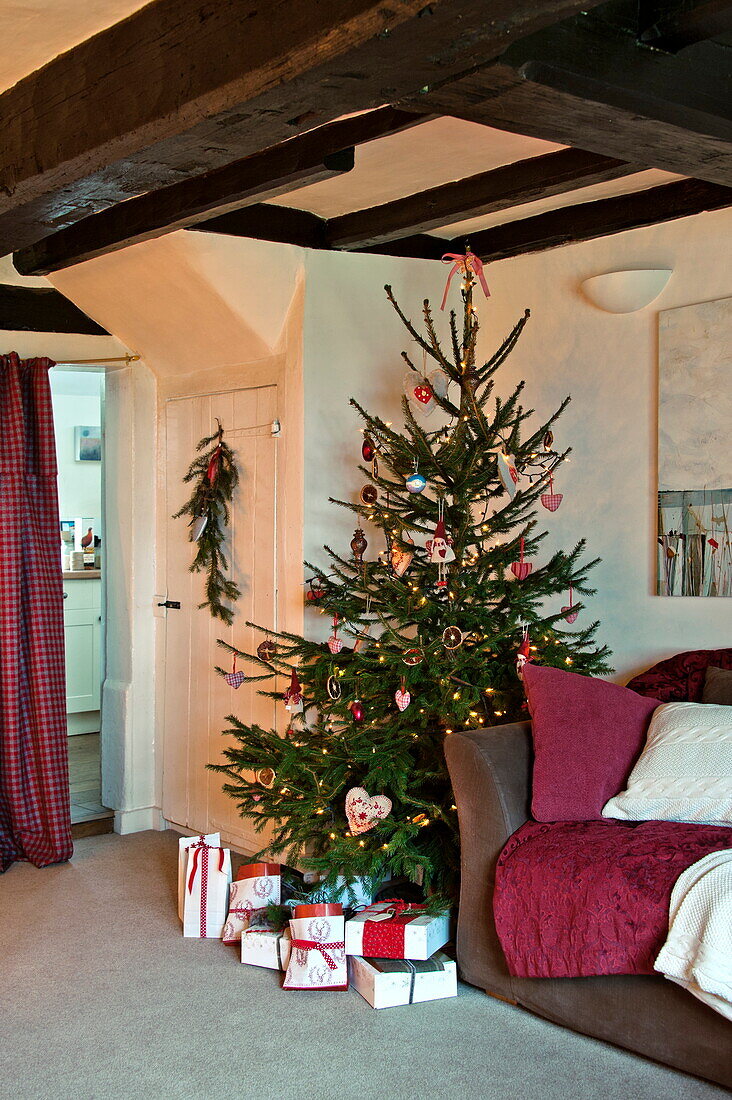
89 362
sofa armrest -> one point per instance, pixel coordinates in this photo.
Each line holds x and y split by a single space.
491 779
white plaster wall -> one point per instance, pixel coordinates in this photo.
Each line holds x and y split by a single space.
607 362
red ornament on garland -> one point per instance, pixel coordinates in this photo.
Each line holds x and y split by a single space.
551 500
213 466
368 449
521 568
357 711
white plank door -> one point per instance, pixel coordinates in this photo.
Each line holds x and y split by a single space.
197 700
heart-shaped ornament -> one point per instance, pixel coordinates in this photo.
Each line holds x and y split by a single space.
400 558
335 645
419 393
570 614
439 381
521 569
551 500
234 679
402 698
365 811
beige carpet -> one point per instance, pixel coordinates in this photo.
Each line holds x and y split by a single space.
103 998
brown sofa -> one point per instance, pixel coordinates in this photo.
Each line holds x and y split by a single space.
491 776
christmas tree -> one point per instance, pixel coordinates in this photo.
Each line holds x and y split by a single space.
429 635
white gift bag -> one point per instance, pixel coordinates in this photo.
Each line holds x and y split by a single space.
206 895
257 885
318 957
214 839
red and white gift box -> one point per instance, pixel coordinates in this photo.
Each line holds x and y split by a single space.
185 842
265 947
385 983
206 894
256 886
395 929
318 958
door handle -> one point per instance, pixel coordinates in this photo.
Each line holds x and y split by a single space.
66 595
174 605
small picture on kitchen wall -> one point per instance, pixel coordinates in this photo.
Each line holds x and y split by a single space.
694 454
88 444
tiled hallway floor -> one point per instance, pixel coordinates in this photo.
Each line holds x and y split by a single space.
85 778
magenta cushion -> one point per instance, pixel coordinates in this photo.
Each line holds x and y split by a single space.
587 735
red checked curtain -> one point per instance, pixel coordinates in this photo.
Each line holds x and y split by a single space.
34 782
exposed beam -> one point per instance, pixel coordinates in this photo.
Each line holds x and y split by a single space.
310 158
485 193
672 25
179 206
270 222
588 84
41 309
586 221
183 87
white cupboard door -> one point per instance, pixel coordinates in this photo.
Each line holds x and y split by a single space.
82 637
197 699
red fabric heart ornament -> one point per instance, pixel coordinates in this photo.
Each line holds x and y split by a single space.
521 568
551 500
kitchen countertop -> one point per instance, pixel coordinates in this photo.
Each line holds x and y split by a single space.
81 574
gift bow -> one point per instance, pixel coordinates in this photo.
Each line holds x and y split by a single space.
202 847
469 263
323 948
397 908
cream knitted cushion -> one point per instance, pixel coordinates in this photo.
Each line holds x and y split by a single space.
684 773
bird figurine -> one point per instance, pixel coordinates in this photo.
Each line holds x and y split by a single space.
87 539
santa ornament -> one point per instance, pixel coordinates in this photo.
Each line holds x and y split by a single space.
551 500
521 568
293 695
439 548
524 653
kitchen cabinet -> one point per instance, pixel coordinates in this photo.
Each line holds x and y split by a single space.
82 632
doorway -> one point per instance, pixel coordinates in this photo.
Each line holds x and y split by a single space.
78 406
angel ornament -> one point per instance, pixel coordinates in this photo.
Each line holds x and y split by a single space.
439 548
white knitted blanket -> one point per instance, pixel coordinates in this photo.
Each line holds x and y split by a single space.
698 951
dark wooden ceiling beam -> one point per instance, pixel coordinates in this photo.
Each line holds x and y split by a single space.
587 221
588 84
485 193
270 222
672 25
41 309
183 87
317 155
178 206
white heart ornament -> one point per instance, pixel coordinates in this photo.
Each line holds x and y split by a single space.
419 393
402 699
439 381
364 811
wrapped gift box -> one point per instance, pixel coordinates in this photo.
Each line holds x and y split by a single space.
206 893
265 947
385 983
214 839
394 929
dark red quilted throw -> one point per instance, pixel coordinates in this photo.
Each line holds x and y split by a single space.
34 782
577 898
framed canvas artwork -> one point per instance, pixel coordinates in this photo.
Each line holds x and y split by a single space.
88 444
694 450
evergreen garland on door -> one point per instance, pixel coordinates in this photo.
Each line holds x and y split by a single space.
429 636
216 476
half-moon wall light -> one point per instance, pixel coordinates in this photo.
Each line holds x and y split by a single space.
626 291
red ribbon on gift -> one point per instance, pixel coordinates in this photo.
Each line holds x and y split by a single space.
383 936
469 264
323 948
201 848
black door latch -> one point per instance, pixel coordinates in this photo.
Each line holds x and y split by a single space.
174 605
